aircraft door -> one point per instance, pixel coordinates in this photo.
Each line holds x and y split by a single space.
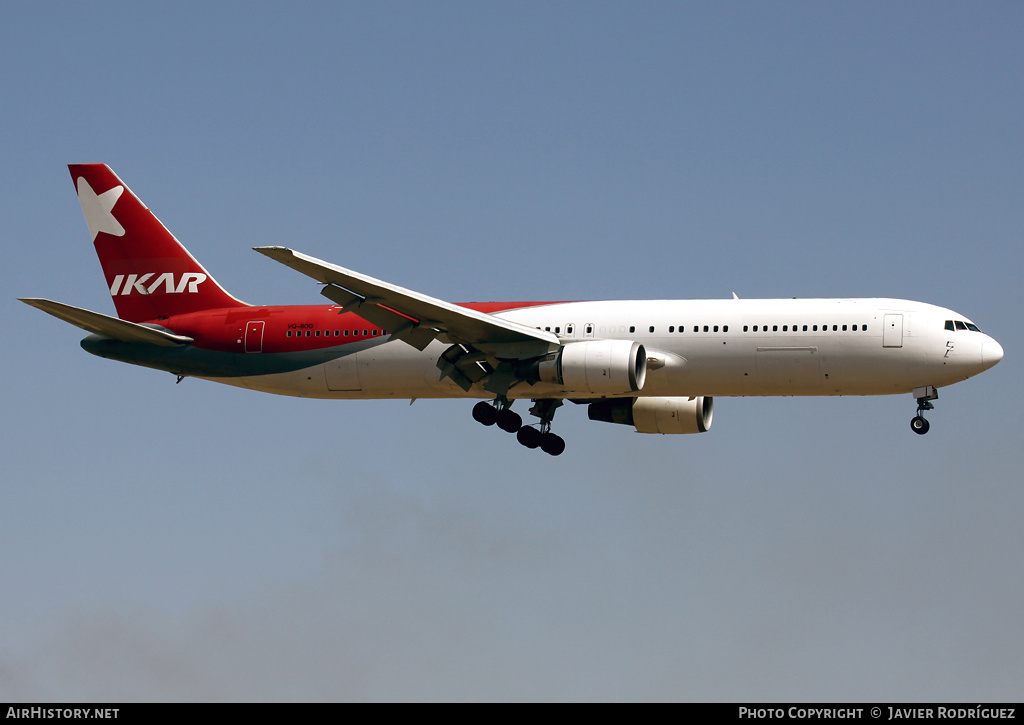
892 331
254 336
343 373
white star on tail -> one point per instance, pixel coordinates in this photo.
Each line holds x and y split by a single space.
96 208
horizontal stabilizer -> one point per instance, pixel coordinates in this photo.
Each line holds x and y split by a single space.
107 326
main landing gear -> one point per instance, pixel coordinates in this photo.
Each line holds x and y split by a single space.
924 396
500 412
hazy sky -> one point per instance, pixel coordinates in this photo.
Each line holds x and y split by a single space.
196 541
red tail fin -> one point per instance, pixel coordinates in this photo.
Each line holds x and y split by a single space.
149 273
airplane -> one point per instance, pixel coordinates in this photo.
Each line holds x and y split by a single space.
655 365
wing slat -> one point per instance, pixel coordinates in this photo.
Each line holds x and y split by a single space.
368 296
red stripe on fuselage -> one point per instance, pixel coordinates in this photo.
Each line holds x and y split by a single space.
224 329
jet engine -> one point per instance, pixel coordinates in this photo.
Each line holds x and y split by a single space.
657 415
597 367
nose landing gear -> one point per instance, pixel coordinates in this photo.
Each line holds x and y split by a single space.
919 424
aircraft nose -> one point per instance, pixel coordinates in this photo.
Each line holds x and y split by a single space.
991 353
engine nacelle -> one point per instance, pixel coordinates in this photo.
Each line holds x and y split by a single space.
597 367
657 415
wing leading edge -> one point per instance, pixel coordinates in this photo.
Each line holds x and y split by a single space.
416 318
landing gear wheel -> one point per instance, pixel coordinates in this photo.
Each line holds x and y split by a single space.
529 437
925 395
509 420
485 413
551 444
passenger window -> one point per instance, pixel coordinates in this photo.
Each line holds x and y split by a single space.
632 328
716 328
696 329
785 328
705 328
671 328
744 328
651 328
775 328
725 329
805 328
844 328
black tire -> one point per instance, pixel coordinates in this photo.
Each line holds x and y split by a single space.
919 425
529 437
484 413
509 420
551 444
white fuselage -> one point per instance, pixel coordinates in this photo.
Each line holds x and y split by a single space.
696 347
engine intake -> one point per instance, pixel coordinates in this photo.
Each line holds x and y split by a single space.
657 415
597 367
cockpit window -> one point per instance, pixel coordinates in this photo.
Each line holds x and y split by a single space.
954 325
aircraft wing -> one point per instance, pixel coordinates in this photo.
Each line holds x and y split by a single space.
416 318
106 325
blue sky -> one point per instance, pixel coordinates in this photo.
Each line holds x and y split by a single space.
199 542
